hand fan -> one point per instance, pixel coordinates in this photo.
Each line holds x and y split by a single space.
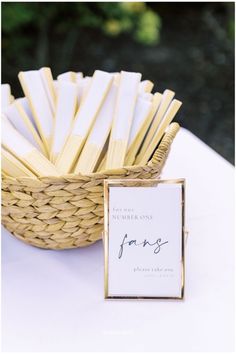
98 135
65 112
168 117
122 119
25 152
84 120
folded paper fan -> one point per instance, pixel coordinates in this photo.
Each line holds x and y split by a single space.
168 117
34 85
146 86
84 120
47 79
6 97
98 135
20 120
164 104
122 119
137 137
65 112
25 152
24 103
11 166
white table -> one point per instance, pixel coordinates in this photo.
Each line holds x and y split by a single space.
53 300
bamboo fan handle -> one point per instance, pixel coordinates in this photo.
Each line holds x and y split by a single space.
164 146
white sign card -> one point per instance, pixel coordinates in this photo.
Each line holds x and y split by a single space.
144 239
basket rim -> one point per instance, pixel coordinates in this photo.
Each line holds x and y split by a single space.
156 159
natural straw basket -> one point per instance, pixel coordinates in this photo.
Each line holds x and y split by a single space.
67 212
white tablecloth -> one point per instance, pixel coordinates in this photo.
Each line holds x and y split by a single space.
53 300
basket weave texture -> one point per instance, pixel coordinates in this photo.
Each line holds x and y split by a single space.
67 212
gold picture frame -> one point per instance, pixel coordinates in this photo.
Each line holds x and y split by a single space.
109 183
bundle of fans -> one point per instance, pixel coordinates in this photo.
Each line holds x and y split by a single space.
77 124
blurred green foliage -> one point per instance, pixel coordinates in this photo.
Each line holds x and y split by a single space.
113 19
135 18
38 34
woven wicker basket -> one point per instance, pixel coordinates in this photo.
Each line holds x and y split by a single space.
67 212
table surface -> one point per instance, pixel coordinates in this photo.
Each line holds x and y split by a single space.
53 300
